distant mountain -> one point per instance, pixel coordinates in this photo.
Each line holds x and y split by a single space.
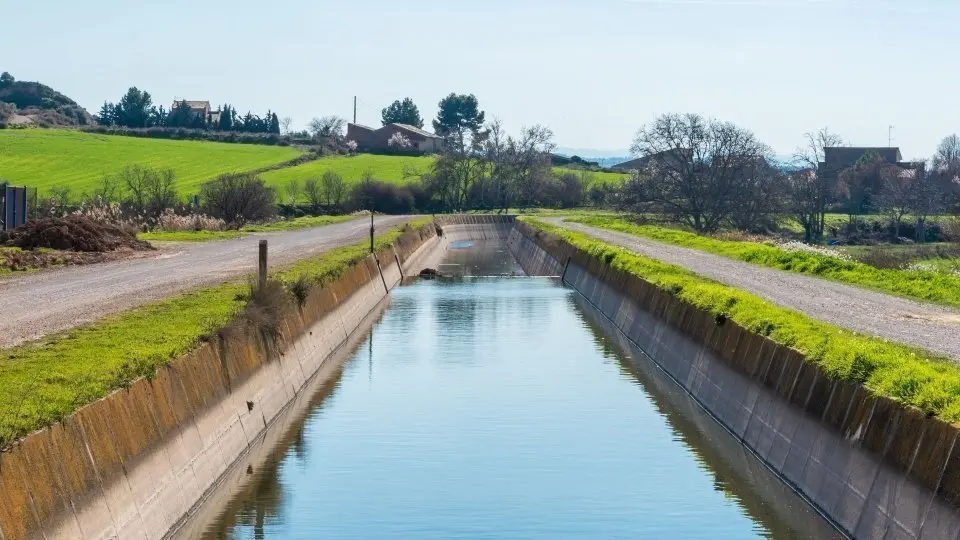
23 102
605 158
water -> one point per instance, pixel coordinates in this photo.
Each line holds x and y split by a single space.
493 408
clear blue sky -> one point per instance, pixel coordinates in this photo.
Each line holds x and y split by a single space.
594 71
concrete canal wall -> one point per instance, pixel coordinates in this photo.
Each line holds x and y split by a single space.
138 462
873 467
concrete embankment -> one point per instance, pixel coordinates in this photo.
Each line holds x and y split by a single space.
875 468
137 462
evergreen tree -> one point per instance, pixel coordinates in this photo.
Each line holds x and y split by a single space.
226 118
180 116
402 112
134 108
105 116
274 124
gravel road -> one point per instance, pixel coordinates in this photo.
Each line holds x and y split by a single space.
928 326
38 304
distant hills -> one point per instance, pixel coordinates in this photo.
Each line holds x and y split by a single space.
605 158
31 103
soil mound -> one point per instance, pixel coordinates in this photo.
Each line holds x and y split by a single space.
72 233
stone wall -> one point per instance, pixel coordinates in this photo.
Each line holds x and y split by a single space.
875 468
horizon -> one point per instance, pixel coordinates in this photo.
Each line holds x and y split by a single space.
780 69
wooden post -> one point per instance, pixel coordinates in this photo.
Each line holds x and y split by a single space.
262 274
371 231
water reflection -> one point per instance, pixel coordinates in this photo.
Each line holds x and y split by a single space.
495 409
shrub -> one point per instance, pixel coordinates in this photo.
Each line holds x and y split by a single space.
382 197
238 199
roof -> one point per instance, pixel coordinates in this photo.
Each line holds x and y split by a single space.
839 157
416 130
192 104
360 126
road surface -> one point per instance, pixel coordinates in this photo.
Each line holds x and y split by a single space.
38 304
931 327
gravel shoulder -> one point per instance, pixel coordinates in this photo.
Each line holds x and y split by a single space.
931 327
42 303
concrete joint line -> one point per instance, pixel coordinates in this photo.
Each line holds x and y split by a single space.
923 520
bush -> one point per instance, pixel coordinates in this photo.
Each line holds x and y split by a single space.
238 199
382 197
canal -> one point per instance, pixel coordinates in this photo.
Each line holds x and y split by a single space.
497 407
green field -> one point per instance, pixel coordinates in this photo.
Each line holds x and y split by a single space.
45 159
352 168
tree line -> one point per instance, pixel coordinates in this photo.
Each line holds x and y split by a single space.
137 110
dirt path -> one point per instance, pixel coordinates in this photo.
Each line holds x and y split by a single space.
928 326
38 304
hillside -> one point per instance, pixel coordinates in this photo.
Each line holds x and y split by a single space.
51 158
38 104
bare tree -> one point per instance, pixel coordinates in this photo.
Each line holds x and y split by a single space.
311 188
897 191
238 198
135 178
293 189
334 188
109 192
758 197
811 191
285 124
161 191
945 169
328 127
695 167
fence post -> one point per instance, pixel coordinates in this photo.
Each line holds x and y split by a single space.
262 274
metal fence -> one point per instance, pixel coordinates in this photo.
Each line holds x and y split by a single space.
14 206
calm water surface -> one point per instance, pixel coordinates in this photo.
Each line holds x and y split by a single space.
491 408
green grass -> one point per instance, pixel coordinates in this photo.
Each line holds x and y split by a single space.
276 226
912 376
596 177
42 382
925 286
352 168
43 158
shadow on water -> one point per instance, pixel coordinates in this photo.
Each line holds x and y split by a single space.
739 475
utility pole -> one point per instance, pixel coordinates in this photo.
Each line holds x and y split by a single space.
354 109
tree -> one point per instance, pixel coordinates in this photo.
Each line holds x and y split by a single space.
105 116
327 127
311 188
293 190
816 189
895 198
758 197
238 198
161 191
858 185
285 124
945 168
227 116
6 79
334 188
399 141
402 112
181 115
134 108
458 119
695 167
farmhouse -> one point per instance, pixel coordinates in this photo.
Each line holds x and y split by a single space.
387 138
838 158
201 109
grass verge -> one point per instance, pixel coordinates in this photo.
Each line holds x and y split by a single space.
922 285
911 376
206 236
42 382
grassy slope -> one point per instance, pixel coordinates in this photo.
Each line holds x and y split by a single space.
42 382
204 236
352 168
49 158
912 376
917 285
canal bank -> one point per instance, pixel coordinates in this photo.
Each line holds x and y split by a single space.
140 462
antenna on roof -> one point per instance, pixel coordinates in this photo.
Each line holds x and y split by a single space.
354 109
889 136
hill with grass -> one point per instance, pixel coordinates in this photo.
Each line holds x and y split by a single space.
46 159
32 103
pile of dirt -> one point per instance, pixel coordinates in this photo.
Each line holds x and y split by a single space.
72 233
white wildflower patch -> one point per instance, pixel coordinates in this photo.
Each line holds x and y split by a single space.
794 246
